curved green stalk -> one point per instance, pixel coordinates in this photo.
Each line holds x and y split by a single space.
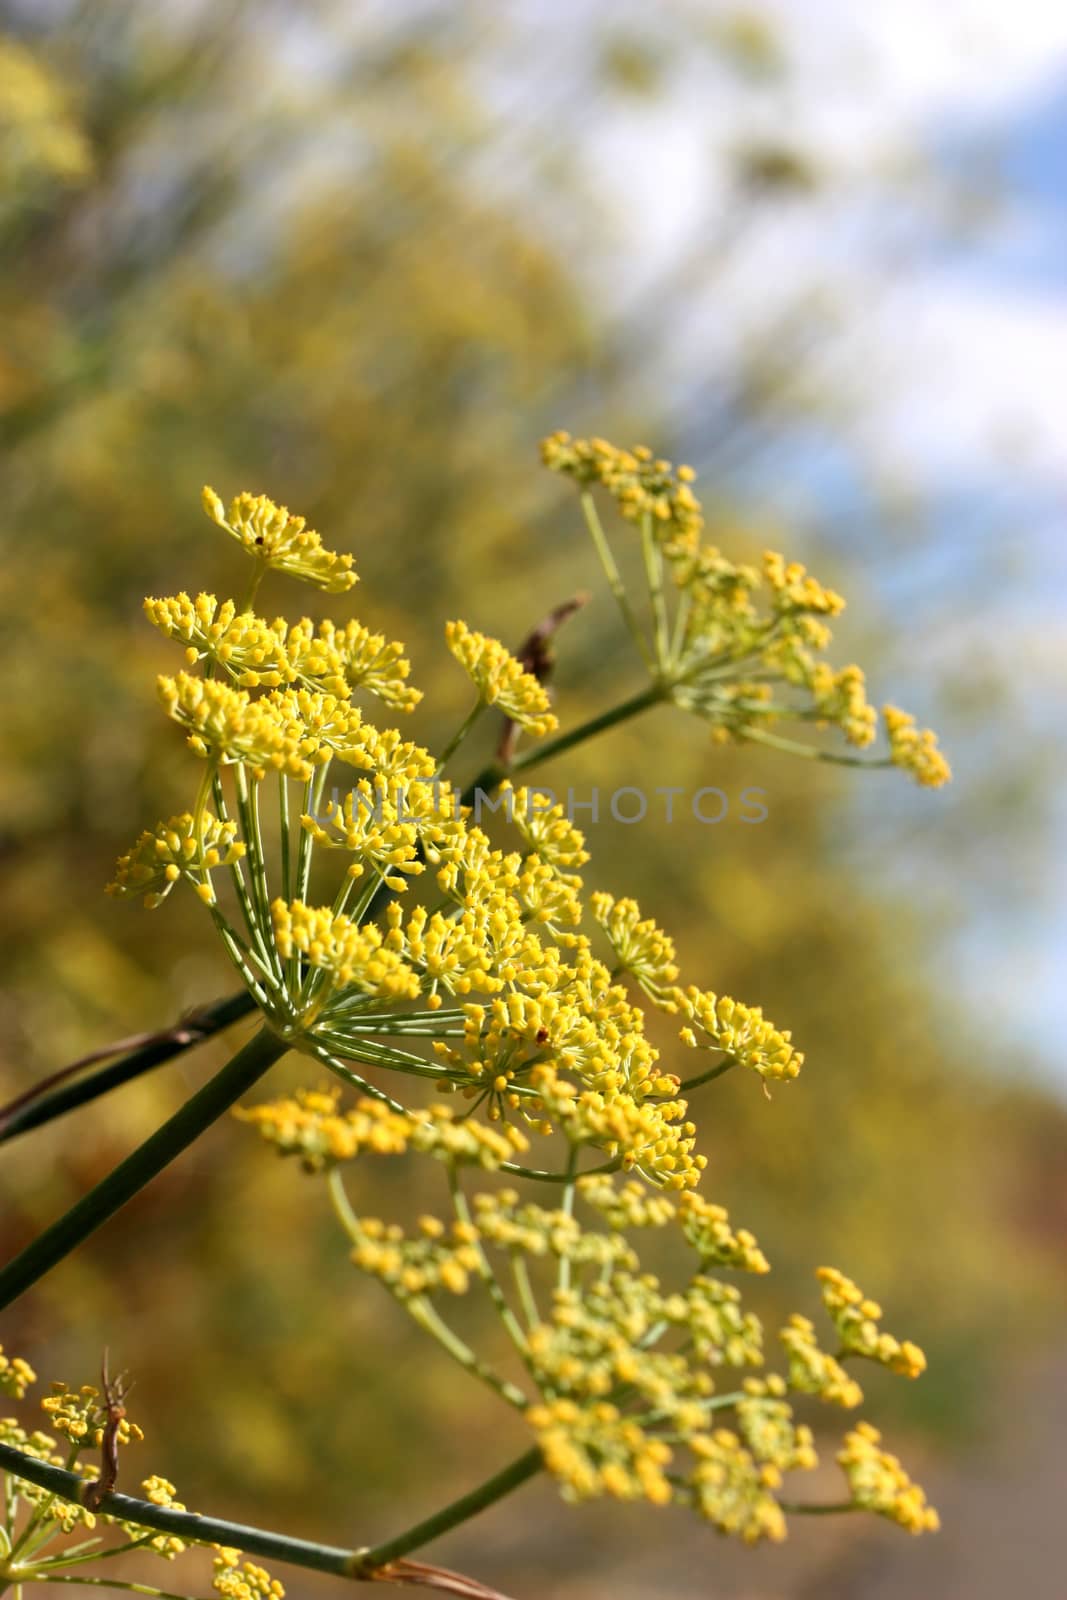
149 1159
74 1086
468 1505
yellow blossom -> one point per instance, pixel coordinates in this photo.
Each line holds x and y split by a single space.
880 1484
640 484
226 725
812 1370
593 1450
242 1580
915 749
641 948
742 1032
856 1319
248 649
158 860
276 538
547 831
352 955
500 680
733 1491
16 1375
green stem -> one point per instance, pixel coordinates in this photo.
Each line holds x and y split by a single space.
430 1321
96 1583
653 558
186 1524
283 828
563 1276
44 1102
149 1159
614 577
706 1077
797 1508
491 776
468 1505
809 751
458 737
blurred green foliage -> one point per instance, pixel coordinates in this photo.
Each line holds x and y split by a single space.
281 249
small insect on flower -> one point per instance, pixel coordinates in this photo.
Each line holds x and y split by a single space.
114 1396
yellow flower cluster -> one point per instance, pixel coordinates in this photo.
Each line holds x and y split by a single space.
594 1450
769 1429
16 1375
243 1580
724 653
267 655
504 1223
80 1415
352 955
158 860
241 643
490 992
410 1268
812 1370
793 588
390 828
501 681
226 725
547 831
915 749
641 948
598 1344
627 1205
312 1125
646 1135
723 1332
741 1032
160 1492
880 1484
276 538
640 484
856 1319
705 1226
343 659
734 1492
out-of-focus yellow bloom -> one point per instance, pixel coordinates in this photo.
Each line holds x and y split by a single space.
915 749
812 1370
880 1484
733 1491
242 1580
593 1450
856 1319
16 1375
311 1124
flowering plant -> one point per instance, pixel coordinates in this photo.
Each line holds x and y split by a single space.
485 1012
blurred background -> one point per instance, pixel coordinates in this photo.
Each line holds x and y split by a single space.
360 257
